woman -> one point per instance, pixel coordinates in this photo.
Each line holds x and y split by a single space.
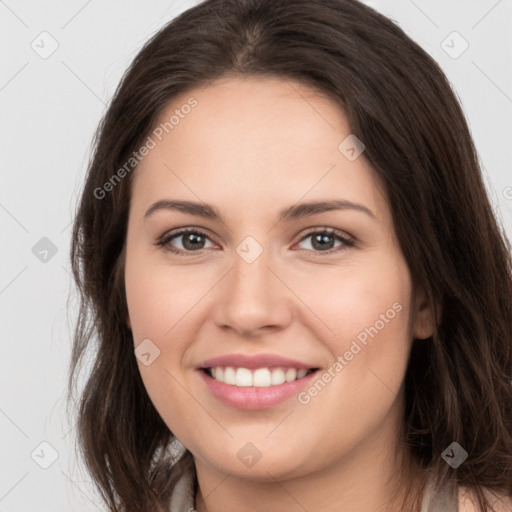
341 338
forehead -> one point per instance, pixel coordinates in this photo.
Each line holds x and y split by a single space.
255 140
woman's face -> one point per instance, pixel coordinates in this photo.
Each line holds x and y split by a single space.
269 289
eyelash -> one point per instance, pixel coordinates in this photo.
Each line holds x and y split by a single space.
165 240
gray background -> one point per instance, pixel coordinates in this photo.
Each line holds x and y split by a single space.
50 106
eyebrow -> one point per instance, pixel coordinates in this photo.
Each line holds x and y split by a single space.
297 211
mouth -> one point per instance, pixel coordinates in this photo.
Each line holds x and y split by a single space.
255 382
259 377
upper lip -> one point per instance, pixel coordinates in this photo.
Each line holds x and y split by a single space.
254 361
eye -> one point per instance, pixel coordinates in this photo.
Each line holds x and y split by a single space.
192 240
322 240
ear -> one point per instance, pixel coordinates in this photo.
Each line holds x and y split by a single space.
423 319
128 323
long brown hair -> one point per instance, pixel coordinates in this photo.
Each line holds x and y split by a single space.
458 385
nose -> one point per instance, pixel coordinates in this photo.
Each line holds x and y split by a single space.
252 299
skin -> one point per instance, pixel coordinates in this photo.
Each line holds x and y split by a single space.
251 147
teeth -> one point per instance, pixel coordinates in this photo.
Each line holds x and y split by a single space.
277 377
301 373
243 377
291 374
229 376
260 378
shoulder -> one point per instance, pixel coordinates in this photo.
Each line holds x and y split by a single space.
467 501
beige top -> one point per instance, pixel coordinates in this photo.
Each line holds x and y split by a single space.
183 499
442 500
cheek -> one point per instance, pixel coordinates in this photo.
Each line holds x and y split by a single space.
370 298
367 312
158 303
360 391
158 297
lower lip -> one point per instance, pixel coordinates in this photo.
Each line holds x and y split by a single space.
254 398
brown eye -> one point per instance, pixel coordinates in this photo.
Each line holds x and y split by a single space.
191 241
324 241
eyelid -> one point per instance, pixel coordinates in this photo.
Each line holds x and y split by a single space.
331 231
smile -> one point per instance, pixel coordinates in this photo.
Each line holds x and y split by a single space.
260 377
